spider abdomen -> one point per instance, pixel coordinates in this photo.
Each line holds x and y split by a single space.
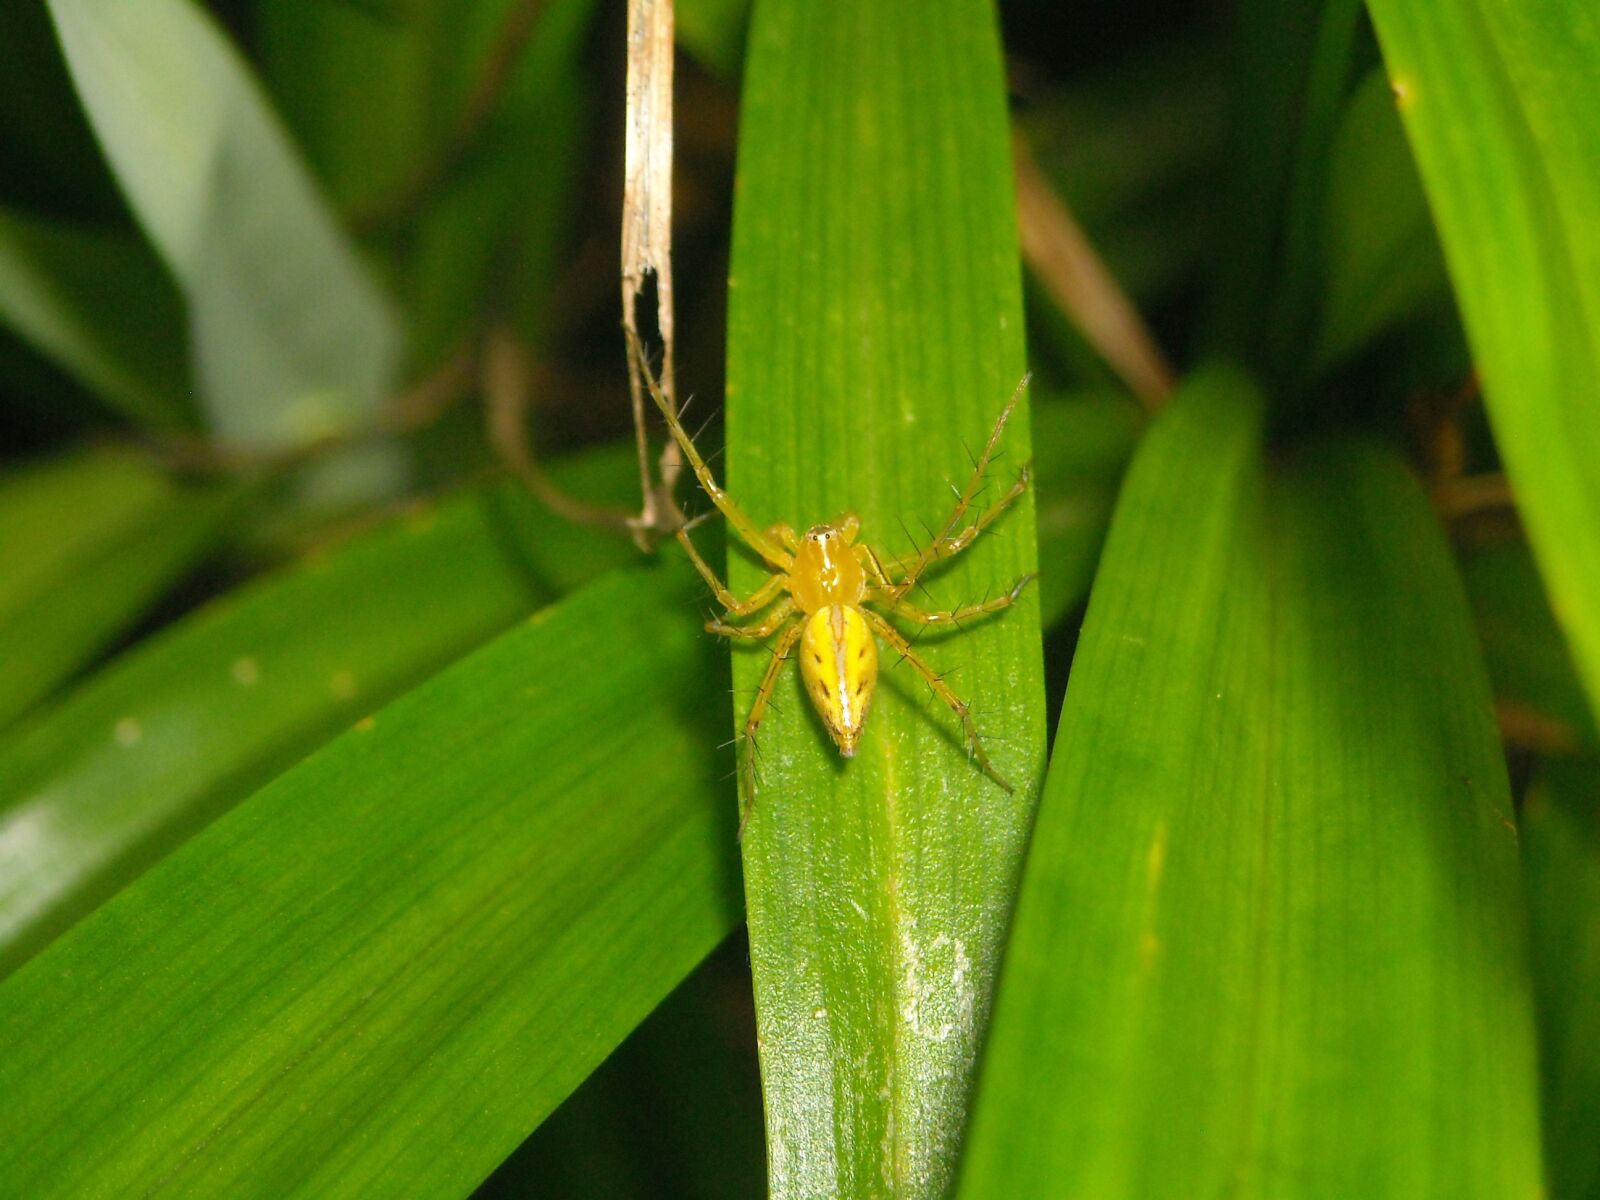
839 662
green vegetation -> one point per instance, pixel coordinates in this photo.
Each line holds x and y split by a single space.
367 818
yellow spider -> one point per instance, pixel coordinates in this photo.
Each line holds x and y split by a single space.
830 580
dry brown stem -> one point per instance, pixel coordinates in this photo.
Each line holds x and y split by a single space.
508 390
647 243
1524 728
1056 249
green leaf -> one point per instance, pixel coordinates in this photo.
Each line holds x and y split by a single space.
377 975
91 541
1290 75
185 726
1269 942
875 328
290 339
1381 257
1498 98
101 307
1561 862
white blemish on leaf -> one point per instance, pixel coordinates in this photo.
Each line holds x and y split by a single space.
128 732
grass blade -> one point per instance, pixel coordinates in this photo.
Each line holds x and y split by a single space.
215 183
1561 860
91 541
101 307
185 726
875 327
1270 940
1380 255
377 975
1498 98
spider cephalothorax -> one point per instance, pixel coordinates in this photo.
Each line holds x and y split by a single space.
824 592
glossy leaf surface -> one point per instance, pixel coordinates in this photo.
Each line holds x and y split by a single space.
875 330
378 974
91 541
143 755
1270 940
1498 98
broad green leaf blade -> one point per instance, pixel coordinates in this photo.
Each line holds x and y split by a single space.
183 727
90 542
101 307
1561 861
1269 943
377 975
875 329
290 340
1290 69
1498 98
1381 257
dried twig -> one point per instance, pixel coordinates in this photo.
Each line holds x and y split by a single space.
1060 254
1471 495
647 243
494 74
507 390
1524 728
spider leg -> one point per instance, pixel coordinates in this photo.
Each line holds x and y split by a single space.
955 616
725 597
948 547
941 689
964 499
763 628
758 710
746 528
868 558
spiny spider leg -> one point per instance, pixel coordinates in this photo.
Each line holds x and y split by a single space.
964 499
746 528
955 616
869 559
725 597
940 688
954 544
780 653
761 628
